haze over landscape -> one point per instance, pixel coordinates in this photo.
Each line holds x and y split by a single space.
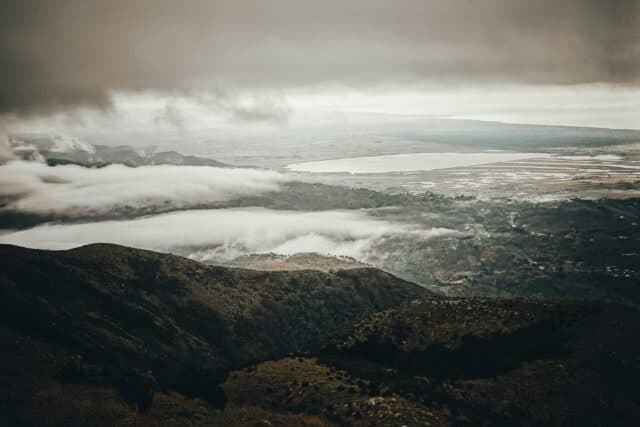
320 213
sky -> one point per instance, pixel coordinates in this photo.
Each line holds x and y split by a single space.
251 76
157 64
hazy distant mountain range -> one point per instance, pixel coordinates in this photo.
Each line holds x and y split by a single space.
57 150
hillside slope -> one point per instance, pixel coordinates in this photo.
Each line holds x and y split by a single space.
463 362
295 262
88 335
120 309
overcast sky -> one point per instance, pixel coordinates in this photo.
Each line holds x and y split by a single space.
254 61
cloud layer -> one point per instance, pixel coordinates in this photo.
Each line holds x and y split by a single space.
56 55
222 234
75 191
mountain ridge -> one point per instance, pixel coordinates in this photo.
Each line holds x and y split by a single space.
110 335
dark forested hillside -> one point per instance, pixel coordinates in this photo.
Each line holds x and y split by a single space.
108 335
113 309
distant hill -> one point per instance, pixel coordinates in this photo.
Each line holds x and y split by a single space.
294 262
58 150
112 310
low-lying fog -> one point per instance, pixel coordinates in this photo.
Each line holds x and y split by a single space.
222 234
77 191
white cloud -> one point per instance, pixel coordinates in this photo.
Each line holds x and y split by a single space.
175 121
77 191
6 153
225 233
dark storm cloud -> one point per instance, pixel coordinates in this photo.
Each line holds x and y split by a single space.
72 53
